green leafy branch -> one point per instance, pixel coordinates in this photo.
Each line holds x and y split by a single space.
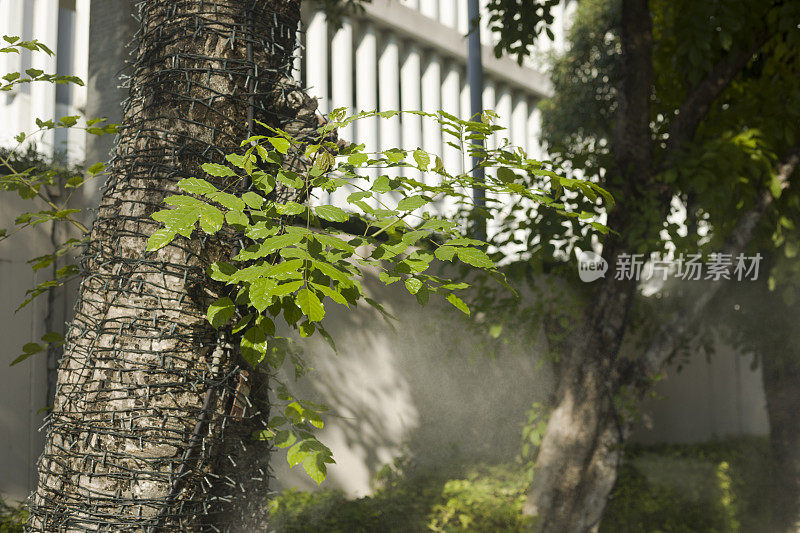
298 259
11 79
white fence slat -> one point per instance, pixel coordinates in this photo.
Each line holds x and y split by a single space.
11 15
451 157
432 102
465 107
489 104
43 95
342 74
534 129
389 94
366 129
429 8
519 121
389 76
411 100
462 17
342 94
412 4
317 59
486 33
448 13
451 100
504 110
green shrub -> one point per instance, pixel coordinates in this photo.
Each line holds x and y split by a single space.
12 518
489 499
710 488
485 498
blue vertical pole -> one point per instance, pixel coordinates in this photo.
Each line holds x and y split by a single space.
475 79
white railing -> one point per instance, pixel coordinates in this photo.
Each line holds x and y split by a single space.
410 55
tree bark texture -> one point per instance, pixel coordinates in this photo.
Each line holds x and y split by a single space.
140 437
576 467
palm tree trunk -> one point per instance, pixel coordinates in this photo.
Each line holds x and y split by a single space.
141 437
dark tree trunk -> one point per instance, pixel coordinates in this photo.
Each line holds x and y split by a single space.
781 378
576 467
140 437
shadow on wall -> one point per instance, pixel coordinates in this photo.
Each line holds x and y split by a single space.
428 389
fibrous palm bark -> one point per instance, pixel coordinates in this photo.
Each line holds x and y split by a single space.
141 437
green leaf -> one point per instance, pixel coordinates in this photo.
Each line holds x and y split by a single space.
775 187
332 272
260 293
412 202
360 195
506 175
290 208
332 213
381 184
20 359
310 305
388 278
445 253
159 239
296 454
32 348
265 182
324 161
68 121
280 144
221 271
230 201
220 312
284 438
291 179
211 219
220 171
254 345
237 218
271 244
96 168
413 285
281 270
333 294
422 158
357 159
458 303
53 337
475 257
422 296
241 323
328 338
286 288
253 200
332 242
196 186
314 465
